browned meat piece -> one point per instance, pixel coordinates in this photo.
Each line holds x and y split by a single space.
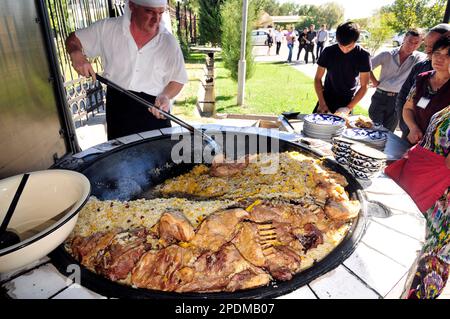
276 248
218 229
311 237
120 257
225 270
174 226
248 244
283 263
86 249
222 167
342 210
338 178
165 269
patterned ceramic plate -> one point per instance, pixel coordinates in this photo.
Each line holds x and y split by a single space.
325 119
364 135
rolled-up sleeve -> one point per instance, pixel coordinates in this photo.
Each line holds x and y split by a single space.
91 38
379 59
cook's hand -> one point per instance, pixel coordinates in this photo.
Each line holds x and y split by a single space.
81 64
323 108
343 110
162 102
415 135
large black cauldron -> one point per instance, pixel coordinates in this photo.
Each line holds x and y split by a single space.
128 171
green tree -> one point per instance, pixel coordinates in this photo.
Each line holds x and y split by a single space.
210 21
288 8
379 29
416 13
231 36
330 14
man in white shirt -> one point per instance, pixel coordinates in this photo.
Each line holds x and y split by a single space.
322 38
395 68
138 54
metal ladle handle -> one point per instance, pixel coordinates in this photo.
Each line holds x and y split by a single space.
147 104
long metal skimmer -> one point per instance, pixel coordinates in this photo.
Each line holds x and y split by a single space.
215 146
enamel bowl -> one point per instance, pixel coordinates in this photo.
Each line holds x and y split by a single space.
45 215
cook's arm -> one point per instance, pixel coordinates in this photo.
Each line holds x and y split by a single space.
163 99
447 161
79 61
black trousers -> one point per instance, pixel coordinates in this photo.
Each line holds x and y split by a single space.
382 110
300 48
309 48
319 48
278 47
125 116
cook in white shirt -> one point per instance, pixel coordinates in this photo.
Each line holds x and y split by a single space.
140 55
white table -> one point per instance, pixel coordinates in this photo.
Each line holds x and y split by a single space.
376 269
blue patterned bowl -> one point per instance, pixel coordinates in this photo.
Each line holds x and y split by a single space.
325 119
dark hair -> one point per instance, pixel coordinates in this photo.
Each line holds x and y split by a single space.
347 33
441 28
414 32
442 43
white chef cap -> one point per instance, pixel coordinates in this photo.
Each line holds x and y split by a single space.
150 3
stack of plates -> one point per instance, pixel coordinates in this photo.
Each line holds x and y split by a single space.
341 149
372 138
323 126
365 162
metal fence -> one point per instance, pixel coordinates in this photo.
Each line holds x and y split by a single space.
83 96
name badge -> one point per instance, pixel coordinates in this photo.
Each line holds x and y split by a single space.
423 102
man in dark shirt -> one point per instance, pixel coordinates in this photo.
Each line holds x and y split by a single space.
432 36
302 42
310 39
344 62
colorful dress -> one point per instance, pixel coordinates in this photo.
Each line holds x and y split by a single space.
434 260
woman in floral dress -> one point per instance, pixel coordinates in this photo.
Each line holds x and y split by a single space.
433 263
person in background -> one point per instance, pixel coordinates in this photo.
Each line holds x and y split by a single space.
310 39
138 54
395 68
302 42
290 38
322 38
278 39
344 62
431 92
269 41
430 38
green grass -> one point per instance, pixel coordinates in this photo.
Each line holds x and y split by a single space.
273 89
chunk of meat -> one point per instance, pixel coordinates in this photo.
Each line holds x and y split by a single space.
222 167
311 237
174 226
248 243
86 249
283 263
218 229
342 210
164 269
119 258
224 270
